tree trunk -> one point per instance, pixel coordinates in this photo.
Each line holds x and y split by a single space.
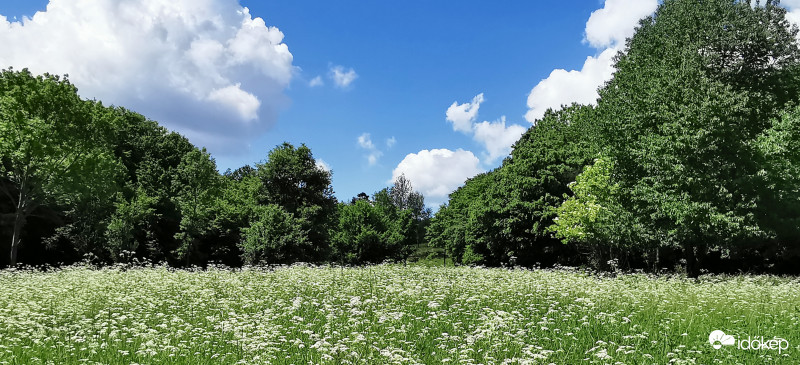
692 270
20 216
19 221
700 255
657 260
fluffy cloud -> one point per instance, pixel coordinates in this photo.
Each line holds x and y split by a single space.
616 21
245 104
373 154
793 12
464 115
317 81
365 141
341 77
497 138
564 87
204 67
322 165
437 173
390 142
606 30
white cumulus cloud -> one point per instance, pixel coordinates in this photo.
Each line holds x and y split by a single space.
341 77
245 104
497 138
793 12
606 30
365 141
564 87
373 154
464 115
317 81
610 26
436 173
206 68
322 165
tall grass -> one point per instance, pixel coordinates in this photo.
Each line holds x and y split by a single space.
388 314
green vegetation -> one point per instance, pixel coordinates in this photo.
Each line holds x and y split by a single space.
688 163
388 314
108 184
688 159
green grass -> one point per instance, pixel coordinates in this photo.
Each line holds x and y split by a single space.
388 314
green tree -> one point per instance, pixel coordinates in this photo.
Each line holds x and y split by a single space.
129 218
276 237
405 198
151 155
502 216
779 180
197 184
594 215
372 231
696 85
53 148
291 179
449 229
533 181
400 225
235 209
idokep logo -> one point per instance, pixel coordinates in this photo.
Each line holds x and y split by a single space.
717 339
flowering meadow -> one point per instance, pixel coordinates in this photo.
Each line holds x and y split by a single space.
388 314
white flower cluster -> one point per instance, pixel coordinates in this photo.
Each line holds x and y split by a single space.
387 314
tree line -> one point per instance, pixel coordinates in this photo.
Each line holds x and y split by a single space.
82 180
689 160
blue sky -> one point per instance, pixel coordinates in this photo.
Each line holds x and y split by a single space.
413 61
450 84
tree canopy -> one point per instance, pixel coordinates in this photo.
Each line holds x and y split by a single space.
688 161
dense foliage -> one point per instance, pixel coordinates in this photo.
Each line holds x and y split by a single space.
689 158
80 180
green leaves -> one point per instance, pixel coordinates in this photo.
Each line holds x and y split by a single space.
593 213
197 184
276 237
695 87
372 231
291 179
130 217
54 148
505 213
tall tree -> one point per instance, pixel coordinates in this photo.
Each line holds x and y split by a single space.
697 83
403 197
779 181
372 231
52 147
292 180
130 217
449 229
594 216
198 185
502 216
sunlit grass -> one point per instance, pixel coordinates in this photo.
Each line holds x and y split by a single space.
387 314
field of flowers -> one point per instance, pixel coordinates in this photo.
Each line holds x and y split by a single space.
388 314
